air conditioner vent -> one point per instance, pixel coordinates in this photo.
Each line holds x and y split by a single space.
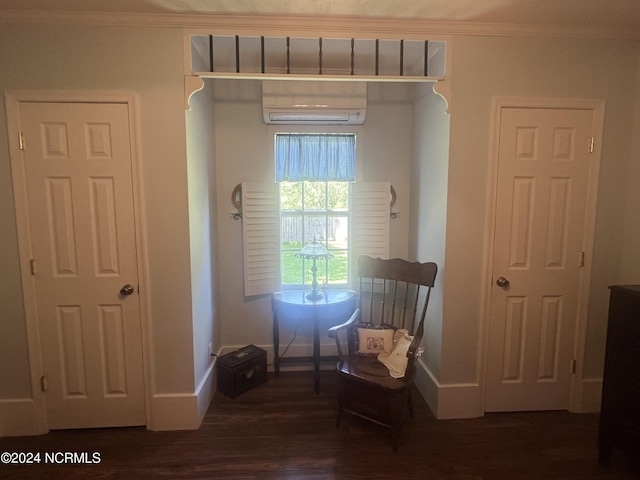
318 103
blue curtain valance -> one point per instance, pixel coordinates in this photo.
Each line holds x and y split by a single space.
315 157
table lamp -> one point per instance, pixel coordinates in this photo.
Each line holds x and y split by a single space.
313 251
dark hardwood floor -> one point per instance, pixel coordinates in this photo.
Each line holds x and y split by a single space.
281 430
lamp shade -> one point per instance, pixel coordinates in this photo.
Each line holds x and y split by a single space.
313 251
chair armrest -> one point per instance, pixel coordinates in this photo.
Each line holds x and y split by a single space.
334 332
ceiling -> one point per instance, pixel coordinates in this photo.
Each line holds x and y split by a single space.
623 15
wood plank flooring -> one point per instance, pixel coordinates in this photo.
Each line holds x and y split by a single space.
281 430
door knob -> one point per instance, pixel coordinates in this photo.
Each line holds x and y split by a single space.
502 282
127 290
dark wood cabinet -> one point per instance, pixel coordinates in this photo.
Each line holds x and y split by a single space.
242 369
620 411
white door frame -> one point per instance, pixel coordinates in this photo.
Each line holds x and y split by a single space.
576 402
13 99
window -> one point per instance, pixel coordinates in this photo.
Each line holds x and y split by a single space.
314 172
367 217
314 211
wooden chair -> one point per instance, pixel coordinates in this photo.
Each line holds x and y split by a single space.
393 299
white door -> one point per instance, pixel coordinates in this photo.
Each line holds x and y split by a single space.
543 174
81 219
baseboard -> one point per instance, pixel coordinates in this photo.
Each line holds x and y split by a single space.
183 411
174 411
464 400
19 417
206 389
449 401
427 386
591 395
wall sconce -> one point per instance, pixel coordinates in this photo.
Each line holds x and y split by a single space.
313 251
236 201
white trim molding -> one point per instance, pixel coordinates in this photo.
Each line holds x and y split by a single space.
206 389
310 25
591 397
183 411
192 84
449 401
21 417
174 411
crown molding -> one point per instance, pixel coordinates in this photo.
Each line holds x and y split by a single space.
279 25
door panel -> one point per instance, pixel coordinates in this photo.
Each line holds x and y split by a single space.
80 197
543 175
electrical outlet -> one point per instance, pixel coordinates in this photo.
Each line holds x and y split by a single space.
210 351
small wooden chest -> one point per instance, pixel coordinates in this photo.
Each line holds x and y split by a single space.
241 370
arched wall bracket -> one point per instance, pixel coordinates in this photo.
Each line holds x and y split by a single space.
192 84
443 89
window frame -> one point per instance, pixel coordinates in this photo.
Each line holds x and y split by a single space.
355 130
326 214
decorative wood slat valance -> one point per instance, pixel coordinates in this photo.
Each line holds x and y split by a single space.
269 56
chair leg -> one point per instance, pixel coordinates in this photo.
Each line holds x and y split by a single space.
398 413
341 396
410 403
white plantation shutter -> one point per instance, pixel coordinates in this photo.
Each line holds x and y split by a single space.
371 220
261 230
261 238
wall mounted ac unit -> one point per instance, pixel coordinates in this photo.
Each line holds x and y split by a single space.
289 102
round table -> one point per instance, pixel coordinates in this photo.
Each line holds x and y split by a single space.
335 307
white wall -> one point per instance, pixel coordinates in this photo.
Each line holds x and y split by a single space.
147 61
630 269
203 233
429 174
242 155
387 152
485 67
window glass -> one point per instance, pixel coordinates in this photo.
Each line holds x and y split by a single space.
314 210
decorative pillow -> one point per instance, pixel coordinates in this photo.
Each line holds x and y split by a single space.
375 340
396 361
